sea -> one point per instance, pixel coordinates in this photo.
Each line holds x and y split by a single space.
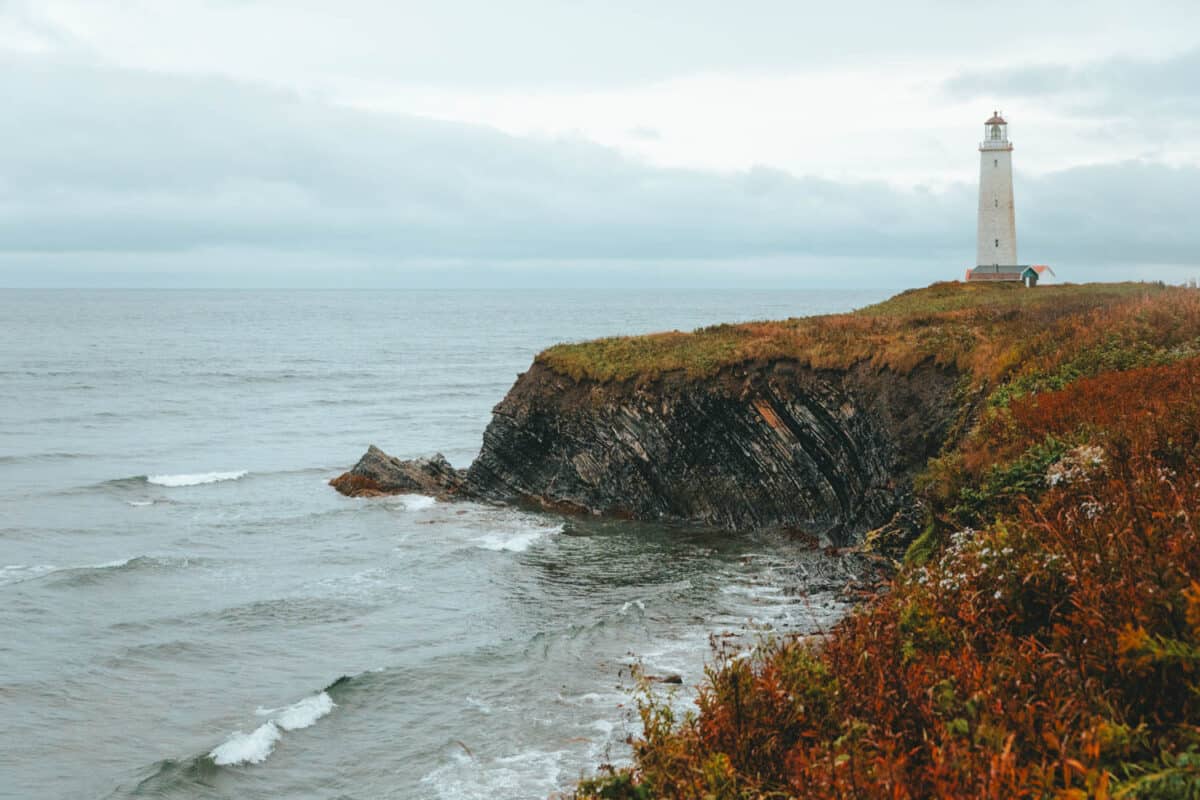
188 610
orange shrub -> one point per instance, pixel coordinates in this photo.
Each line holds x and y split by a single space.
1055 652
985 329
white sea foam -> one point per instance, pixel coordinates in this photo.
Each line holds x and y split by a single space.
305 712
605 726
247 748
415 502
254 747
195 479
120 562
515 541
613 699
534 773
755 591
629 605
140 503
478 704
679 654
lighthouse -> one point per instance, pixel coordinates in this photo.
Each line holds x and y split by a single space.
997 242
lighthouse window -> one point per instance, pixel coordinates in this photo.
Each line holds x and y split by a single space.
995 162
997 243
997 202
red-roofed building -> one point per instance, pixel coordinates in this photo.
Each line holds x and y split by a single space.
1028 274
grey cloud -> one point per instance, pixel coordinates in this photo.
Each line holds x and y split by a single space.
101 163
1111 87
121 160
1136 212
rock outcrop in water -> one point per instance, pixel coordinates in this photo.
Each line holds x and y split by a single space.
377 473
771 444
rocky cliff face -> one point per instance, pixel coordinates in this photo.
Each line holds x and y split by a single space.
757 445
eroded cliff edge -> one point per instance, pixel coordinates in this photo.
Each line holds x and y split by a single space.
755 445
818 424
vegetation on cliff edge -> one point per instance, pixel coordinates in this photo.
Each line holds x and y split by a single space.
984 327
1044 641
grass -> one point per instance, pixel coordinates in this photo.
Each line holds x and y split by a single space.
951 323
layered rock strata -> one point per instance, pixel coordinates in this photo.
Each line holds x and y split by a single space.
377 473
758 445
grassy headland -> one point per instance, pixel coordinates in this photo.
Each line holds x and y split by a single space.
975 326
1042 638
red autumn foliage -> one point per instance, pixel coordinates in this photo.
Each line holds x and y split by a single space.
1053 653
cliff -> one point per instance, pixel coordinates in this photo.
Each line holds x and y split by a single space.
1042 638
761 444
817 424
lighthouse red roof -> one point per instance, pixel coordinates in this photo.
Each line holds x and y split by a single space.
996 119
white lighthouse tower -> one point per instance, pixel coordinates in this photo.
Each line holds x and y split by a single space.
997 246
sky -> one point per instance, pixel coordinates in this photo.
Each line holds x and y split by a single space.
763 144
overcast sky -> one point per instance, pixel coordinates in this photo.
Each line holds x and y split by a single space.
578 143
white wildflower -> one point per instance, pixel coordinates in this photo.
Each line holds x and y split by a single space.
1075 464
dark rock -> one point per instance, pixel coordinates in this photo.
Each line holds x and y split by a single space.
760 445
674 679
377 473
765 445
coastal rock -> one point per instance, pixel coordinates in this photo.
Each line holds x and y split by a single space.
377 473
677 680
757 445
760 445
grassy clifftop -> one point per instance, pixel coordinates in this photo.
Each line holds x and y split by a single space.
1043 637
972 326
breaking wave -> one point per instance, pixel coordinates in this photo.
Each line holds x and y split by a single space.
256 746
137 485
247 748
412 502
300 714
516 541
195 479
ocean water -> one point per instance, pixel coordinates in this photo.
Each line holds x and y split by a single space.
188 610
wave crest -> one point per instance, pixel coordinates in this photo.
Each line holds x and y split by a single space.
247 748
195 479
301 714
256 746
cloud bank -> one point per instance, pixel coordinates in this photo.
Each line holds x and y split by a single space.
110 172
